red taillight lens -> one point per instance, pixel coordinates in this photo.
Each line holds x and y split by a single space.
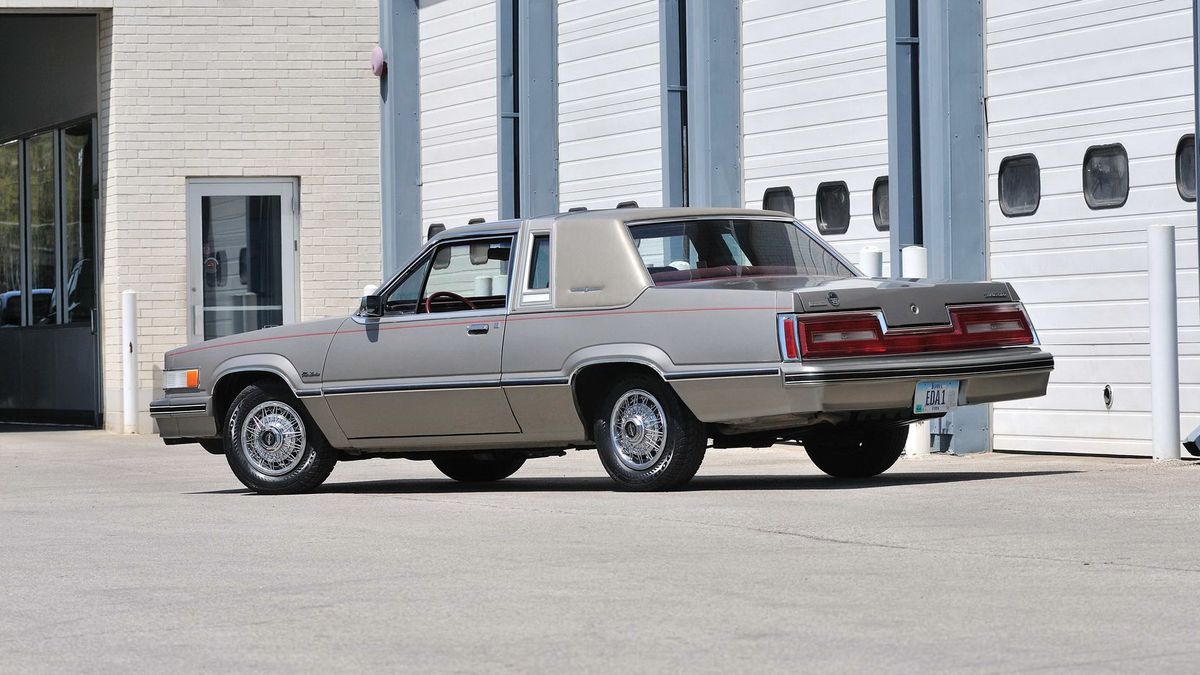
789 339
840 335
861 333
991 325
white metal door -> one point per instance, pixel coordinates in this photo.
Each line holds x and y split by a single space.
241 251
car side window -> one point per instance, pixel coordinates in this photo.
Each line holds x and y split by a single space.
405 297
468 275
539 263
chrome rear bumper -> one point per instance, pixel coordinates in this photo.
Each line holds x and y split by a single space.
866 384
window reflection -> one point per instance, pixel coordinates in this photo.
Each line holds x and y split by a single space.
79 255
10 234
43 248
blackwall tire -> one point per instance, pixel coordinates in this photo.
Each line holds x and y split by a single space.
273 447
858 453
646 437
479 468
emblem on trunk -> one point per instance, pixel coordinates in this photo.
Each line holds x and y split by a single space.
833 299
914 309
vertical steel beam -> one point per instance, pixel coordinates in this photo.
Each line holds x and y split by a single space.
537 102
936 157
714 103
508 88
904 114
672 18
954 172
400 133
954 164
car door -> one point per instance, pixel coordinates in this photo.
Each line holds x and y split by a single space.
430 366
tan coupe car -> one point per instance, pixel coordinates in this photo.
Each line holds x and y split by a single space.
644 333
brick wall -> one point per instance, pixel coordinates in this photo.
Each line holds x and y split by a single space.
222 88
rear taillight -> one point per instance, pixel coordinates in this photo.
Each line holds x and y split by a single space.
861 333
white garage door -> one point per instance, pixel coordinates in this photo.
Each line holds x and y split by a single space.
1117 77
609 116
814 79
458 111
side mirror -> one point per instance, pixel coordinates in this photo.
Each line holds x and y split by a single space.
371 305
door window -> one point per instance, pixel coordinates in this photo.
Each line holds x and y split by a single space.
468 275
242 256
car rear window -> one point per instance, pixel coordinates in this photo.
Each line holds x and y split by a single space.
683 251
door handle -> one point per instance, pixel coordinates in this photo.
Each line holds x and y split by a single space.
477 329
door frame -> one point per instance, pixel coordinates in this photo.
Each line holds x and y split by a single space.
288 190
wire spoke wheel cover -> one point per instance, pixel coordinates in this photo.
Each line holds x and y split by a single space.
638 429
273 438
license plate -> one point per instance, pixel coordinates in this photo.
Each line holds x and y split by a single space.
935 396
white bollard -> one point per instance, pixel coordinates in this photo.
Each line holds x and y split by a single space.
129 361
914 265
1164 343
870 261
914 262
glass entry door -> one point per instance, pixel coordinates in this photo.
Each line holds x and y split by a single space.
241 255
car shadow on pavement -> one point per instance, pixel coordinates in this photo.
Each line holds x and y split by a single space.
698 484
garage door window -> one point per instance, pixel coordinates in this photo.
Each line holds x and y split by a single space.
1020 184
881 204
1185 168
833 208
780 199
1106 176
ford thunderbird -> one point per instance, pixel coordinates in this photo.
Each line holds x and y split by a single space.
647 334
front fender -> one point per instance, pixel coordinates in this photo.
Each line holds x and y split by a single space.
272 363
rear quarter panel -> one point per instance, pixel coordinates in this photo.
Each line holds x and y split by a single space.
673 330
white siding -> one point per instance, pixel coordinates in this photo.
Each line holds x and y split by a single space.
458 111
1060 79
609 118
814 100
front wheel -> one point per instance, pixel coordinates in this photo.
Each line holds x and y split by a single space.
480 468
272 446
646 437
858 453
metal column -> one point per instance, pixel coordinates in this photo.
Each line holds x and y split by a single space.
954 173
537 101
672 41
937 160
400 133
714 103
904 114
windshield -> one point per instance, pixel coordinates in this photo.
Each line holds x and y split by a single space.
678 252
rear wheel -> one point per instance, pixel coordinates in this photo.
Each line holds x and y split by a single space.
857 453
273 448
479 468
646 436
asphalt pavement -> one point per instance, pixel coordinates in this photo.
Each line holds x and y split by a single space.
120 554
